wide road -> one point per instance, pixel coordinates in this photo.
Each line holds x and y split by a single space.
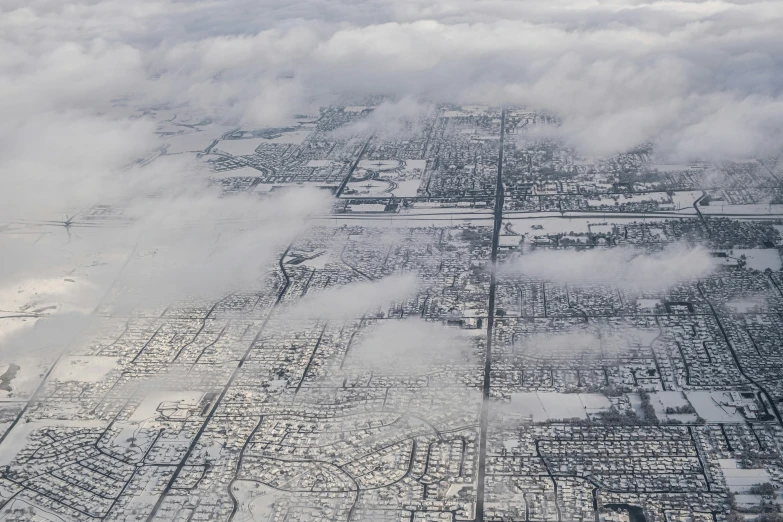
490 323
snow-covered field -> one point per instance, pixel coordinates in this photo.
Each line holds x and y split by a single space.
708 406
398 178
83 368
243 147
660 197
542 406
719 207
291 138
740 480
760 258
551 224
674 399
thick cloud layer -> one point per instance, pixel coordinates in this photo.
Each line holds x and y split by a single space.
702 78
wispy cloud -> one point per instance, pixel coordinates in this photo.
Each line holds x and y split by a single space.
357 299
628 268
585 342
409 346
400 119
204 246
47 337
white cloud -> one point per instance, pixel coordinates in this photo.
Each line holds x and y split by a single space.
58 163
391 120
356 299
46 337
702 78
200 245
410 346
586 342
192 243
628 268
